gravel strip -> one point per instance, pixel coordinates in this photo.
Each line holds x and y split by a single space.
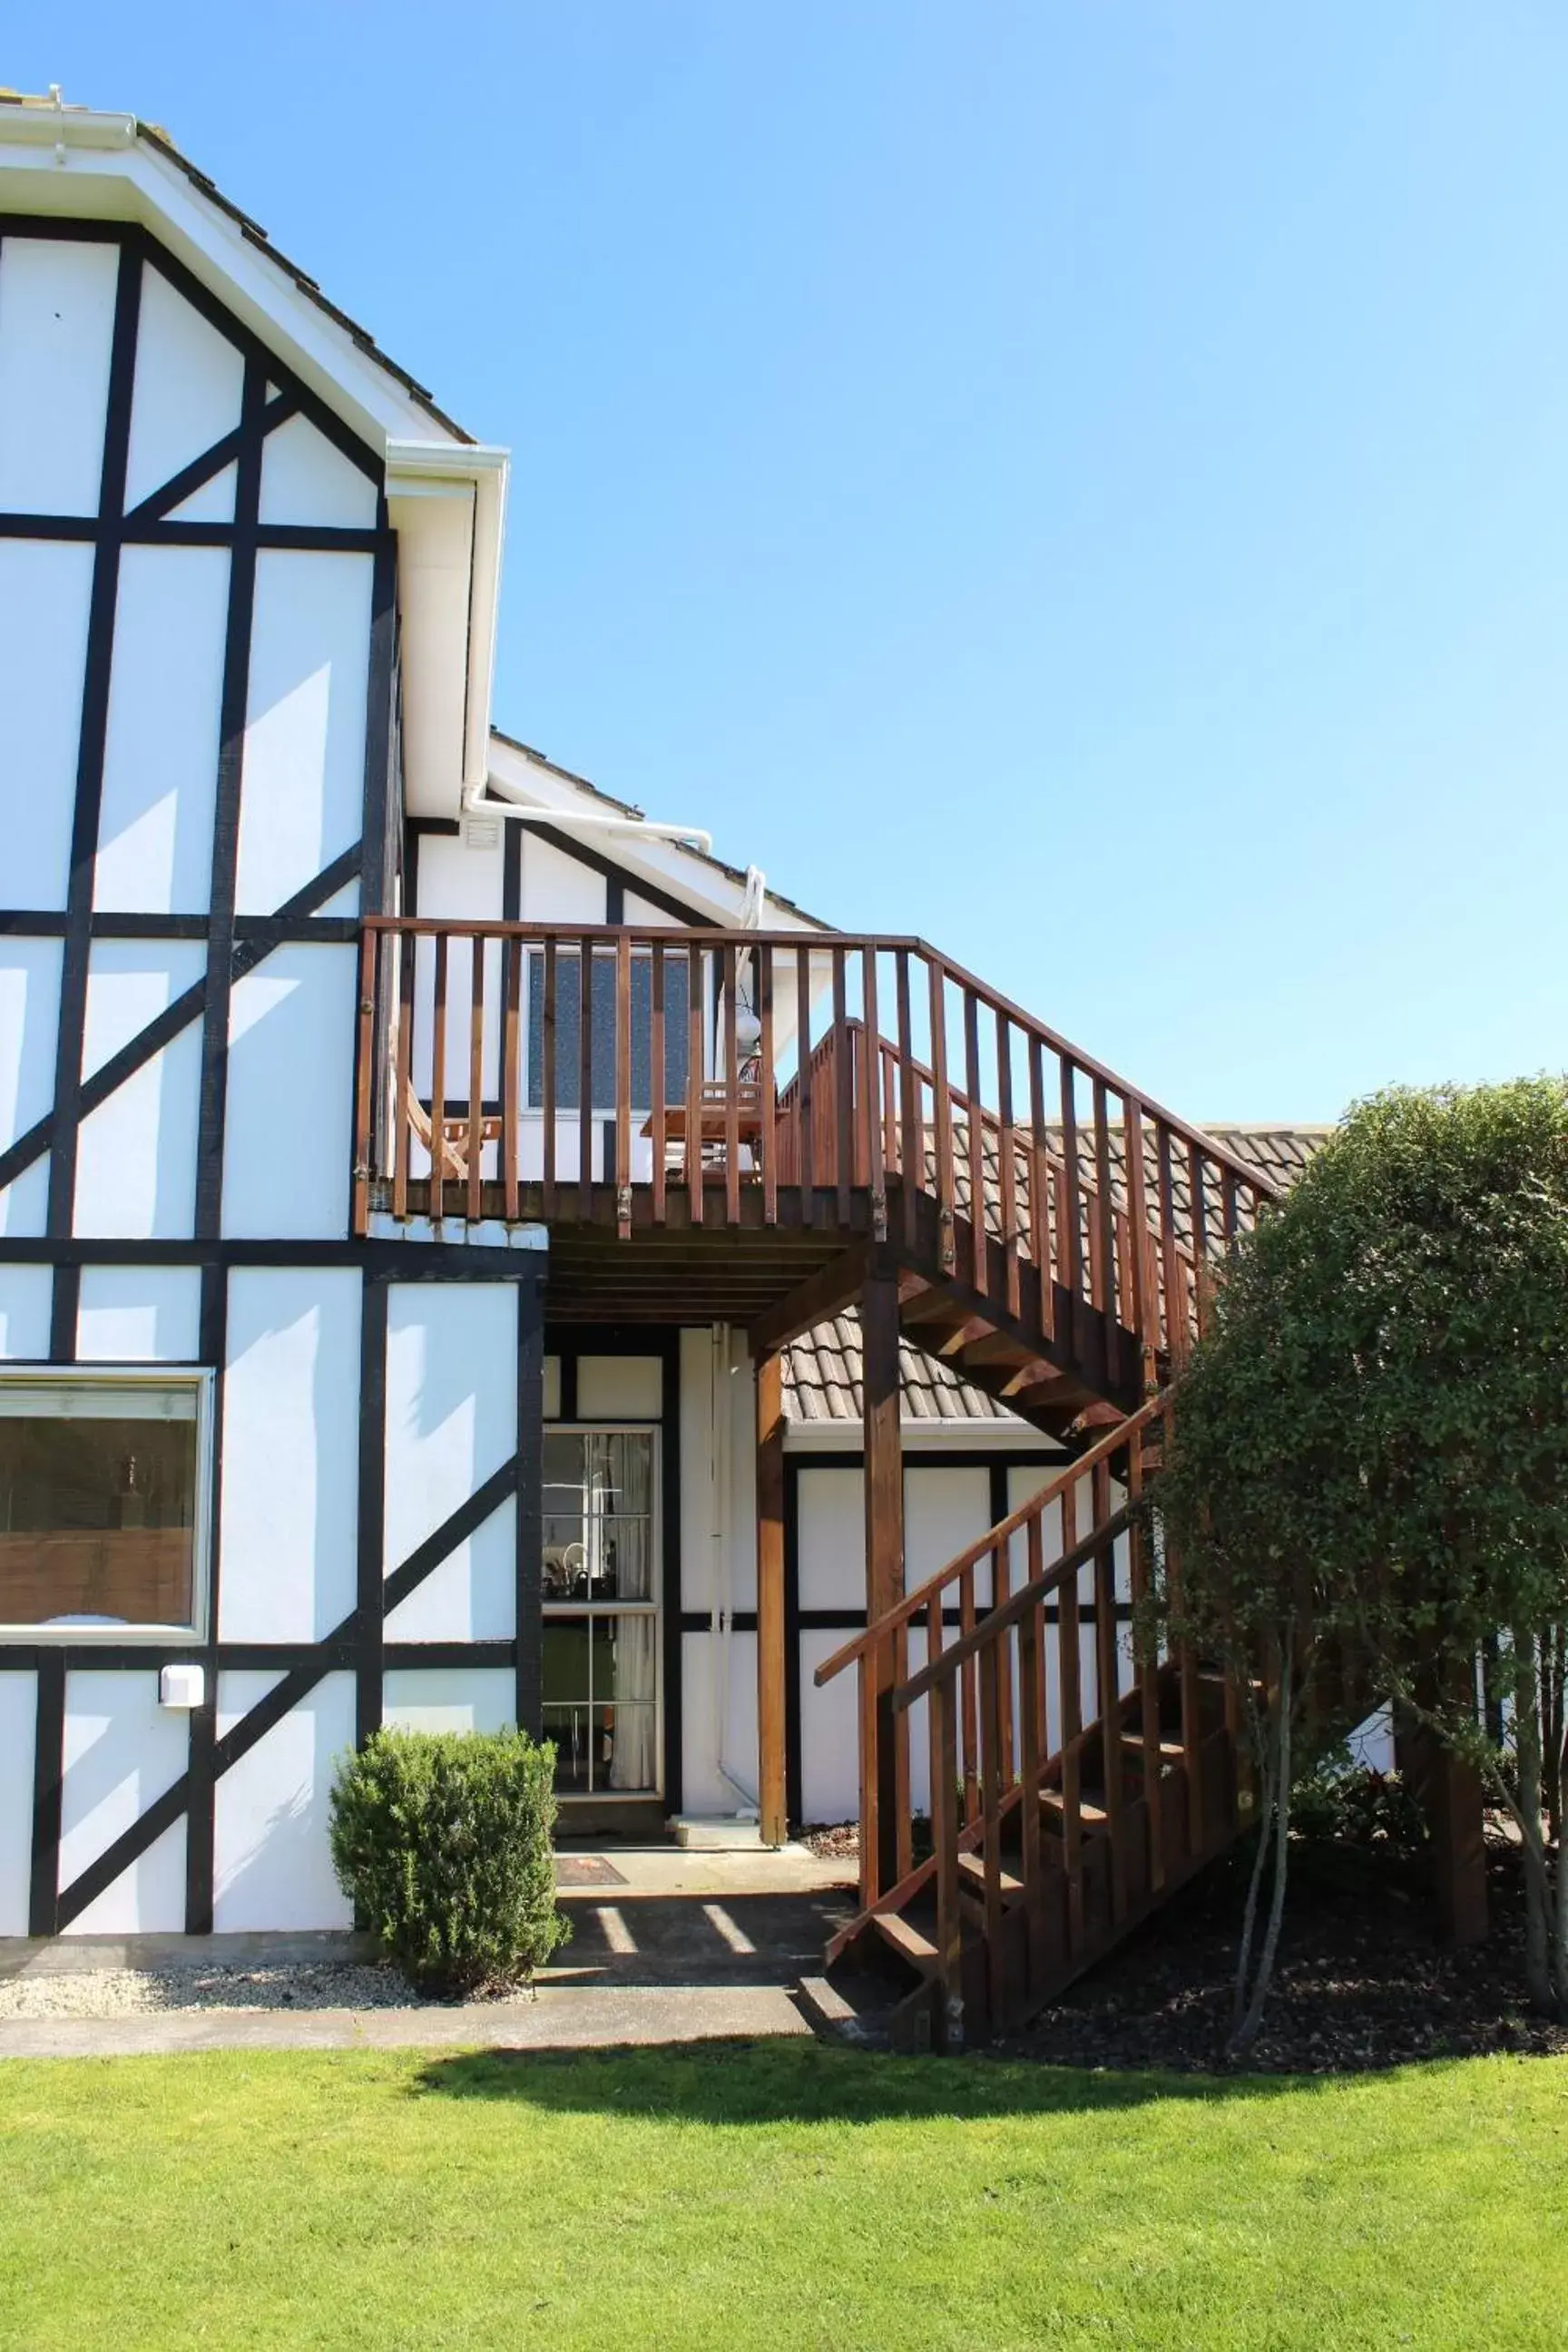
132 1993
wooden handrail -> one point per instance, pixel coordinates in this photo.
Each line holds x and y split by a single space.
957 1655
825 943
1003 1532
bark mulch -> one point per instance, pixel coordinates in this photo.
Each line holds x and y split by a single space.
1365 1979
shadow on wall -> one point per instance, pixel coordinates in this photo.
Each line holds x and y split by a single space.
807 2082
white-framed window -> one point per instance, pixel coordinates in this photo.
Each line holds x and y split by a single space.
104 1478
601 1663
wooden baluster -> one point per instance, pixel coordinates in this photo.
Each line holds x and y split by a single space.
1040 1190
944 1834
1032 1697
586 1080
658 1084
912 1136
1197 1187
365 1079
1103 1238
696 994
547 1082
990 1662
1178 1334
403 1077
967 1710
889 1065
1147 1668
1006 1172
803 1088
876 1174
1227 1191
942 1115
975 1133
1145 1287
1031 1704
476 1076
1108 1676
1069 1662
439 1087
769 1144
624 1087
841 1162
510 1050
732 1093
1001 1591
1070 1221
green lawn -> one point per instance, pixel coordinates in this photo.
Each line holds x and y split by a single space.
777 2196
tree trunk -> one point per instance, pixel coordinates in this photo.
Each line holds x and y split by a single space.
1264 1743
1246 2032
1537 1970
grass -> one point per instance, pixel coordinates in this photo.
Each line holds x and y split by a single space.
781 2195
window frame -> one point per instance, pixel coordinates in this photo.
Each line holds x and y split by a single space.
108 1378
652 1607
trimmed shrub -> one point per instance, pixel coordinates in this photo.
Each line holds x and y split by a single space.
442 1841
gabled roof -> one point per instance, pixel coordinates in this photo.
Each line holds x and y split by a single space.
532 771
51 112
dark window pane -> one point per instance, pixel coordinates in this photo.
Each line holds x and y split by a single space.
568 1032
97 1519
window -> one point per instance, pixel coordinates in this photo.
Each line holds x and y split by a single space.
601 1610
102 1484
602 1049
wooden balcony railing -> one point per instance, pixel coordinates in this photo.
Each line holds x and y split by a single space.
724 1078
1085 1504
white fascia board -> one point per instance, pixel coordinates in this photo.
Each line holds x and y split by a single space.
686 874
91 165
424 479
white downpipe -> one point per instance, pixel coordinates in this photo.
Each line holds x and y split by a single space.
721 1585
481 804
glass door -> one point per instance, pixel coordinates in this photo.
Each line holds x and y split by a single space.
602 1611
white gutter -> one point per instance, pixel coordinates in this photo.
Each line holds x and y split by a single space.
691 836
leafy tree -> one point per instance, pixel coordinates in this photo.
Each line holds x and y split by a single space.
1367 1489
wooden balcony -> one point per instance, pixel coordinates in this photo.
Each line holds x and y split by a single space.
743 1111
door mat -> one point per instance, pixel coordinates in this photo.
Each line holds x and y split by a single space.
586 1870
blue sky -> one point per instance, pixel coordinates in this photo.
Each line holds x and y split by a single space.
1086 483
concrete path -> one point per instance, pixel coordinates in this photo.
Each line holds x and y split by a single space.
682 1947
563 2017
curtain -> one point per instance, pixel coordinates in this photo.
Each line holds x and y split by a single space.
632 1763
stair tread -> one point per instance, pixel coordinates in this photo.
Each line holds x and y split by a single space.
972 1866
906 1941
1094 1816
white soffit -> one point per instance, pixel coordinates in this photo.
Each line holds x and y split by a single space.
447 506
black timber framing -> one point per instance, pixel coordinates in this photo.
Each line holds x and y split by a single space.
232 711
236 944
355 1644
103 529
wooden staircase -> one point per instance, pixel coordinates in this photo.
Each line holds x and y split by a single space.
1074 1777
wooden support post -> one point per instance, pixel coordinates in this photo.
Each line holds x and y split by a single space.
1450 1795
771 1601
884 1748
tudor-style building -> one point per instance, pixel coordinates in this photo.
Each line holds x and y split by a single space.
382 1340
